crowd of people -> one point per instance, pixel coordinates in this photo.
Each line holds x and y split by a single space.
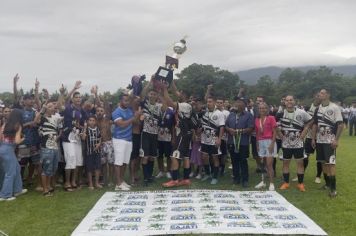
90 143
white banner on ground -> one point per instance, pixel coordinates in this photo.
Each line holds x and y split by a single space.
194 212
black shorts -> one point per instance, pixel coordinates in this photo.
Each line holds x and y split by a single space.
279 144
149 144
254 147
308 146
136 145
223 148
92 162
325 153
297 153
164 149
346 121
182 144
211 150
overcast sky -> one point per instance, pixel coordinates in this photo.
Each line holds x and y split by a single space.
105 42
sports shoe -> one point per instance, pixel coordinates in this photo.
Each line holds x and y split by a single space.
171 183
7 199
121 187
184 182
324 187
295 179
284 186
214 181
168 175
301 187
198 176
333 194
271 187
317 180
260 185
20 193
191 175
160 175
245 184
39 189
206 177
125 184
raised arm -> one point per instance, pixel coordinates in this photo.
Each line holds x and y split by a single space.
37 95
16 95
208 92
146 88
61 98
167 99
75 88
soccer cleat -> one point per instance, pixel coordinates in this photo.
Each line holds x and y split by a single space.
333 194
324 187
214 181
260 185
198 176
168 175
317 180
125 184
271 187
284 186
171 183
184 182
121 187
295 179
206 177
301 187
159 175
20 193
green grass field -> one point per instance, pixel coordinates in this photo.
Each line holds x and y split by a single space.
35 215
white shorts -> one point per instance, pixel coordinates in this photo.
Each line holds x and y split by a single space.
73 155
263 148
122 151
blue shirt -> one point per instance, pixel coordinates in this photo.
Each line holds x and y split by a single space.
243 120
122 132
31 134
73 117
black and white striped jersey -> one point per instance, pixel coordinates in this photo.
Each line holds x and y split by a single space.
291 125
327 119
211 123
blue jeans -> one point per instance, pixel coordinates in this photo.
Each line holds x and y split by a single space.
12 182
49 161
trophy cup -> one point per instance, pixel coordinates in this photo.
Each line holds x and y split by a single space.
165 73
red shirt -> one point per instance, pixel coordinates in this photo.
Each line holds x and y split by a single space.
264 127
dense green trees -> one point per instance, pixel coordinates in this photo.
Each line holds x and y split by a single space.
195 78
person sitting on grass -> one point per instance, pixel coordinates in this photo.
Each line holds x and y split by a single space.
92 141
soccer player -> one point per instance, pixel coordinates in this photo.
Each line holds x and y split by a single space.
213 123
308 148
327 129
223 146
182 137
293 127
152 113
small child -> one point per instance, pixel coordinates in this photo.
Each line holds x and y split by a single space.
92 161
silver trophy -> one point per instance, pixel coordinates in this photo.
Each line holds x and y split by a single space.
165 74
